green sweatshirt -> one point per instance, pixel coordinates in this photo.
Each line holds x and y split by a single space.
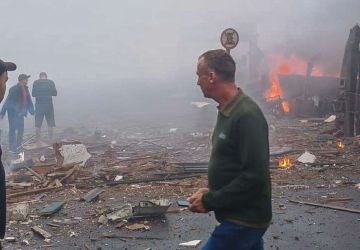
239 176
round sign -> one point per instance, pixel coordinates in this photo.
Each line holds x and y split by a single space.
229 38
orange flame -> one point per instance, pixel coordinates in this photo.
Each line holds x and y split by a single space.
285 163
274 92
285 106
284 66
340 145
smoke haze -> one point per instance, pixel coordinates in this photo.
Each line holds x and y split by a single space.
121 58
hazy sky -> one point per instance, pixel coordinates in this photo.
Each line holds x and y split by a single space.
106 46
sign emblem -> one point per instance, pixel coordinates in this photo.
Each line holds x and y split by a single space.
229 38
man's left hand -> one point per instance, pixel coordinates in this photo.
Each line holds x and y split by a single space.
196 203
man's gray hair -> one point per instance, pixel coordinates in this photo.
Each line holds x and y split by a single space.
221 62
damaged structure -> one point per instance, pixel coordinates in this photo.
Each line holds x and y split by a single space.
349 100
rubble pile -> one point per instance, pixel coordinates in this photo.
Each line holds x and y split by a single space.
125 188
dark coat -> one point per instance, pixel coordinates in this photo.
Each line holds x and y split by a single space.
13 105
43 90
2 200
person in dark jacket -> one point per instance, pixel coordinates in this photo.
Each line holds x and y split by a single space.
4 68
239 186
43 91
17 104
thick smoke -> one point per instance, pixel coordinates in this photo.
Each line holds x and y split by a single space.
111 53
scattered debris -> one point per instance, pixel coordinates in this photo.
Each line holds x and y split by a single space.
10 239
151 208
352 210
295 186
92 194
276 151
71 152
20 212
73 234
118 178
307 158
41 232
137 226
193 243
123 213
103 220
122 237
52 208
121 224
36 191
331 118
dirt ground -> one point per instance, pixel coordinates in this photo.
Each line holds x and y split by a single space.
330 181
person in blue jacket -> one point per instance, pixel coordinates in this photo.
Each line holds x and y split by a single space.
17 104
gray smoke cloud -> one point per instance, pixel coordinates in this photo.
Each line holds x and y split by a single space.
114 52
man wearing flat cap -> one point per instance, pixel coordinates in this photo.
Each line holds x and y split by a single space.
4 68
18 103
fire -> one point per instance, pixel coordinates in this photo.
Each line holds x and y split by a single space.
275 91
286 65
285 162
340 145
285 106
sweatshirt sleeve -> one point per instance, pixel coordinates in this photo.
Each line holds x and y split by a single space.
53 89
34 90
30 106
253 157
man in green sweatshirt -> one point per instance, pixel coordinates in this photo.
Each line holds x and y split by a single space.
239 190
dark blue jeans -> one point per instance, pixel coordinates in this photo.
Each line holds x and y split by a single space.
231 236
16 131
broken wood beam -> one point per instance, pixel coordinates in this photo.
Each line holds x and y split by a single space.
36 191
338 199
35 173
176 177
330 163
92 194
41 232
351 210
69 173
112 235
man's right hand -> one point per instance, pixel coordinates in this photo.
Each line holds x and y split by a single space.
200 191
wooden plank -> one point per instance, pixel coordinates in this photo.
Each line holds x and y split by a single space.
351 210
339 199
36 191
35 174
41 232
92 194
70 173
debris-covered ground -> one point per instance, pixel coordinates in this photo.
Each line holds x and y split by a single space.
50 206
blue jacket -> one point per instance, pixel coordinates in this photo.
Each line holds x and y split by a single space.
13 102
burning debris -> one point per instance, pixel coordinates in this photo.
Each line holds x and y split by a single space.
299 87
285 163
340 145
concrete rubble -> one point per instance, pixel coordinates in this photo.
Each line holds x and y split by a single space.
133 188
